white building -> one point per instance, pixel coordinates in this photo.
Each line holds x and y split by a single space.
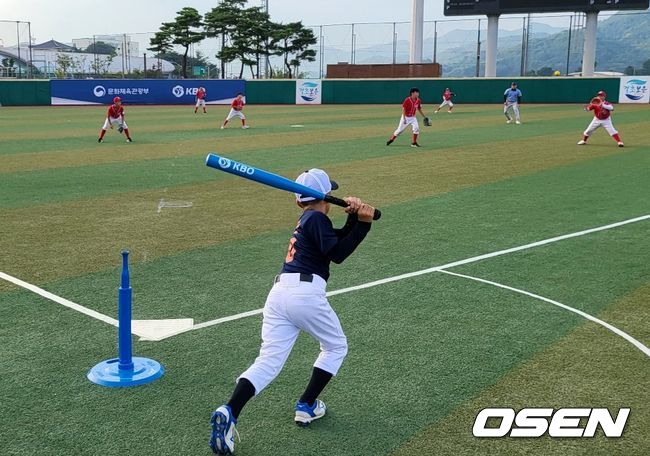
45 56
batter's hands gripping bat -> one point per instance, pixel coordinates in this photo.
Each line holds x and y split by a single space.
272 180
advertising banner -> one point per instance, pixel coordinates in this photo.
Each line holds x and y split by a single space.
634 89
142 91
309 91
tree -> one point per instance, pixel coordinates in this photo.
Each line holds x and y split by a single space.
248 40
63 64
545 71
293 43
79 64
184 31
101 64
100 47
9 67
222 22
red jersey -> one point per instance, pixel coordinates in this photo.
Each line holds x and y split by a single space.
411 106
115 112
447 95
237 104
602 112
200 94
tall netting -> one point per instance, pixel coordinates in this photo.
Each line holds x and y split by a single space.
531 45
15 52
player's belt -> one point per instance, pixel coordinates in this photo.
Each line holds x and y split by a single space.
303 277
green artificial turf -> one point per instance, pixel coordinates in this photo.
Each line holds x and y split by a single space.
426 353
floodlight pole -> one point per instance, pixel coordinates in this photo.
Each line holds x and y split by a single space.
589 52
417 32
491 50
20 72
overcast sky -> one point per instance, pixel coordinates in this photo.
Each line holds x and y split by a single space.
67 19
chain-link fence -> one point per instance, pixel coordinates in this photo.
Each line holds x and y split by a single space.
15 49
527 45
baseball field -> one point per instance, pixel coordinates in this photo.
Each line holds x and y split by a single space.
450 305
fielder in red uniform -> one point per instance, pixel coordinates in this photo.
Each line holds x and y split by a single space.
115 115
410 105
200 100
447 95
602 118
236 108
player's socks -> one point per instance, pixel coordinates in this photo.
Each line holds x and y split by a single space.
585 138
319 379
126 132
244 391
617 138
415 138
101 134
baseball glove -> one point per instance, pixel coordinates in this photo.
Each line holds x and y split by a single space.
120 129
596 101
427 122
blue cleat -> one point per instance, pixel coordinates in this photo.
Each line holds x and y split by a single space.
222 440
306 413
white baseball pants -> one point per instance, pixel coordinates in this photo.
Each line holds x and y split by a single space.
235 113
515 108
596 123
293 306
112 121
405 122
446 103
200 102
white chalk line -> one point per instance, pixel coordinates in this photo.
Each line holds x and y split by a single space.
59 299
431 270
114 322
589 317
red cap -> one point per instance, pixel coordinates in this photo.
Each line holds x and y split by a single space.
117 100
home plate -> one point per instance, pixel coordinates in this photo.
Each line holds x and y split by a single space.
296 126
153 330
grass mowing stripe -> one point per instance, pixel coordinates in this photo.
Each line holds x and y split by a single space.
444 238
20 189
184 129
106 225
584 369
418 360
645 350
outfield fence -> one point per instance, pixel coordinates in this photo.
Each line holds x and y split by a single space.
326 91
531 45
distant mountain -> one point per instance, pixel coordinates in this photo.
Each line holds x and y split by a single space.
623 40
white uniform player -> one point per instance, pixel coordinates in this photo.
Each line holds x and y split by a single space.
296 303
511 100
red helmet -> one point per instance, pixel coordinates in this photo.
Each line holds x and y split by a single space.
602 94
117 100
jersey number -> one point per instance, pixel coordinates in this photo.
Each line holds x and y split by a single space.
291 251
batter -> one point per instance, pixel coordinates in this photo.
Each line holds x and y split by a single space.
297 302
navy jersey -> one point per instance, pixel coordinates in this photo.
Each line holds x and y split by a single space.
315 243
